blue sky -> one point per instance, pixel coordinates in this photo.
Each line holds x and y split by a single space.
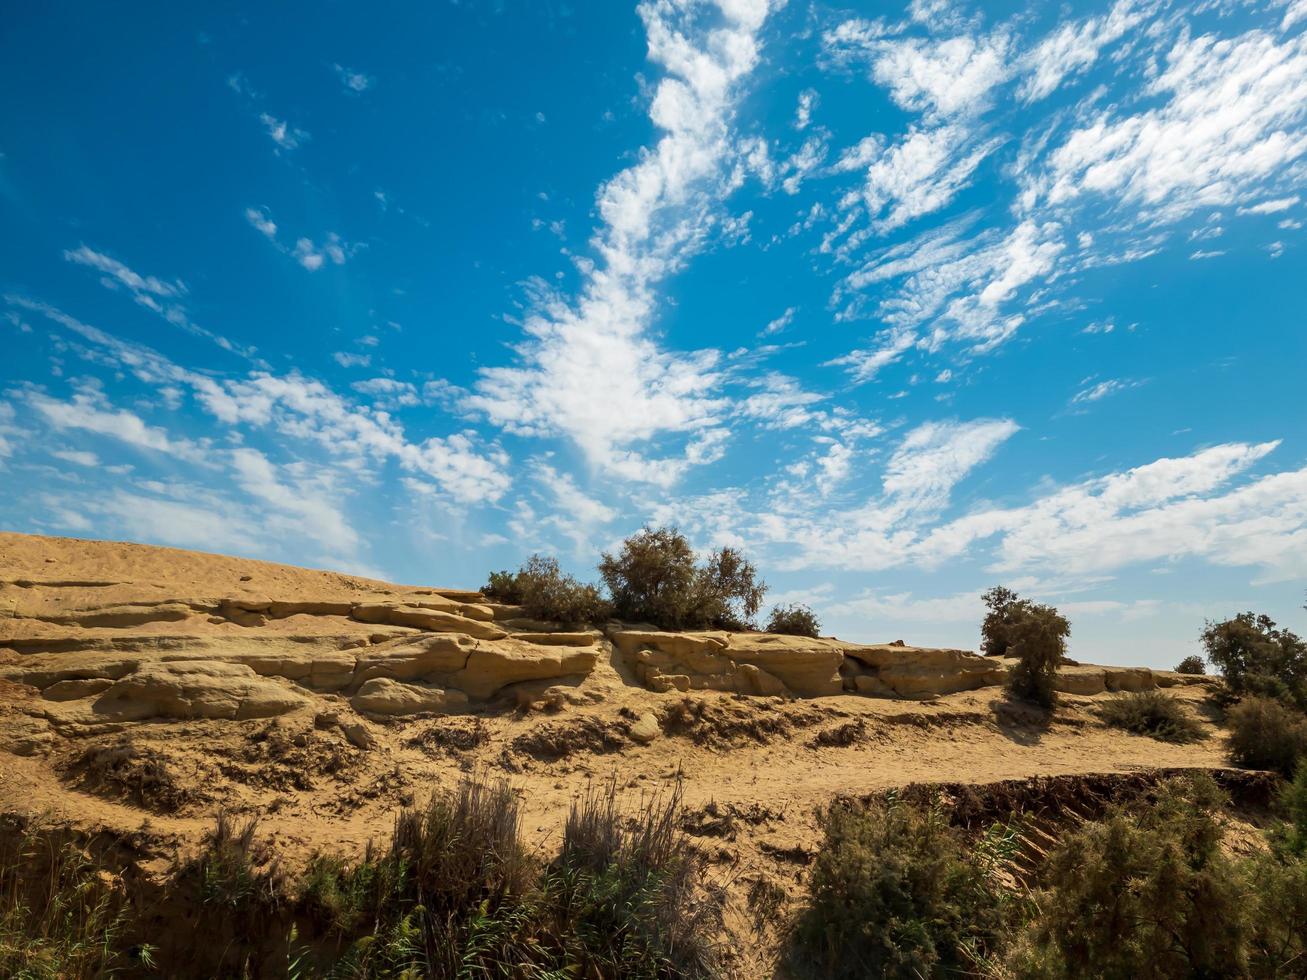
905 301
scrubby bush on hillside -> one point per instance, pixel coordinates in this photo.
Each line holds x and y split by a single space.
1151 713
1144 892
1005 607
1265 734
794 620
895 893
1192 664
1036 635
654 578
1256 657
542 589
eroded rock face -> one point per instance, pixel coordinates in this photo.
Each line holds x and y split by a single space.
195 689
915 672
383 696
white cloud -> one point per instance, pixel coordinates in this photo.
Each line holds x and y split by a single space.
1074 47
388 393
588 369
159 296
956 75
1271 207
312 256
355 81
1232 118
348 360
300 508
808 100
1102 389
921 173
89 412
259 219
78 456
285 135
780 323
935 456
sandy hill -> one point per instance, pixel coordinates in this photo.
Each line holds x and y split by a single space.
143 688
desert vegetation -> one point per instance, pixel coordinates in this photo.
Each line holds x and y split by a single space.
1033 633
1145 890
793 620
654 578
1151 713
456 893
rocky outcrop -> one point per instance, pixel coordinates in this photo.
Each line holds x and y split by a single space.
383 696
917 672
188 689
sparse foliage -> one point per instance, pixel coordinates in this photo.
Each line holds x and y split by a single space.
1192 664
654 578
1265 734
1004 607
544 591
1257 657
1036 635
794 620
1151 713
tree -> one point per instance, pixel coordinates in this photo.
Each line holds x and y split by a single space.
655 578
1004 607
1257 657
1037 638
1192 664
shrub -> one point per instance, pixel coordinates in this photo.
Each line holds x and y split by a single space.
794 620
542 589
1277 891
1265 734
1293 805
1004 608
1036 636
60 914
1192 664
1256 657
654 578
1151 713
626 892
894 894
1144 892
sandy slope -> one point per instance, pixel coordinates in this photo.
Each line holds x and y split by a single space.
752 770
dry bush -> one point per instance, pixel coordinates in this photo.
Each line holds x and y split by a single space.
628 893
1151 713
654 579
1265 734
794 620
544 591
552 741
127 771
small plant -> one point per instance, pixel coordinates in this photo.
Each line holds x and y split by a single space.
1036 636
794 620
544 591
627 890
654 578
1265 734
894 893
61 915
1151 713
